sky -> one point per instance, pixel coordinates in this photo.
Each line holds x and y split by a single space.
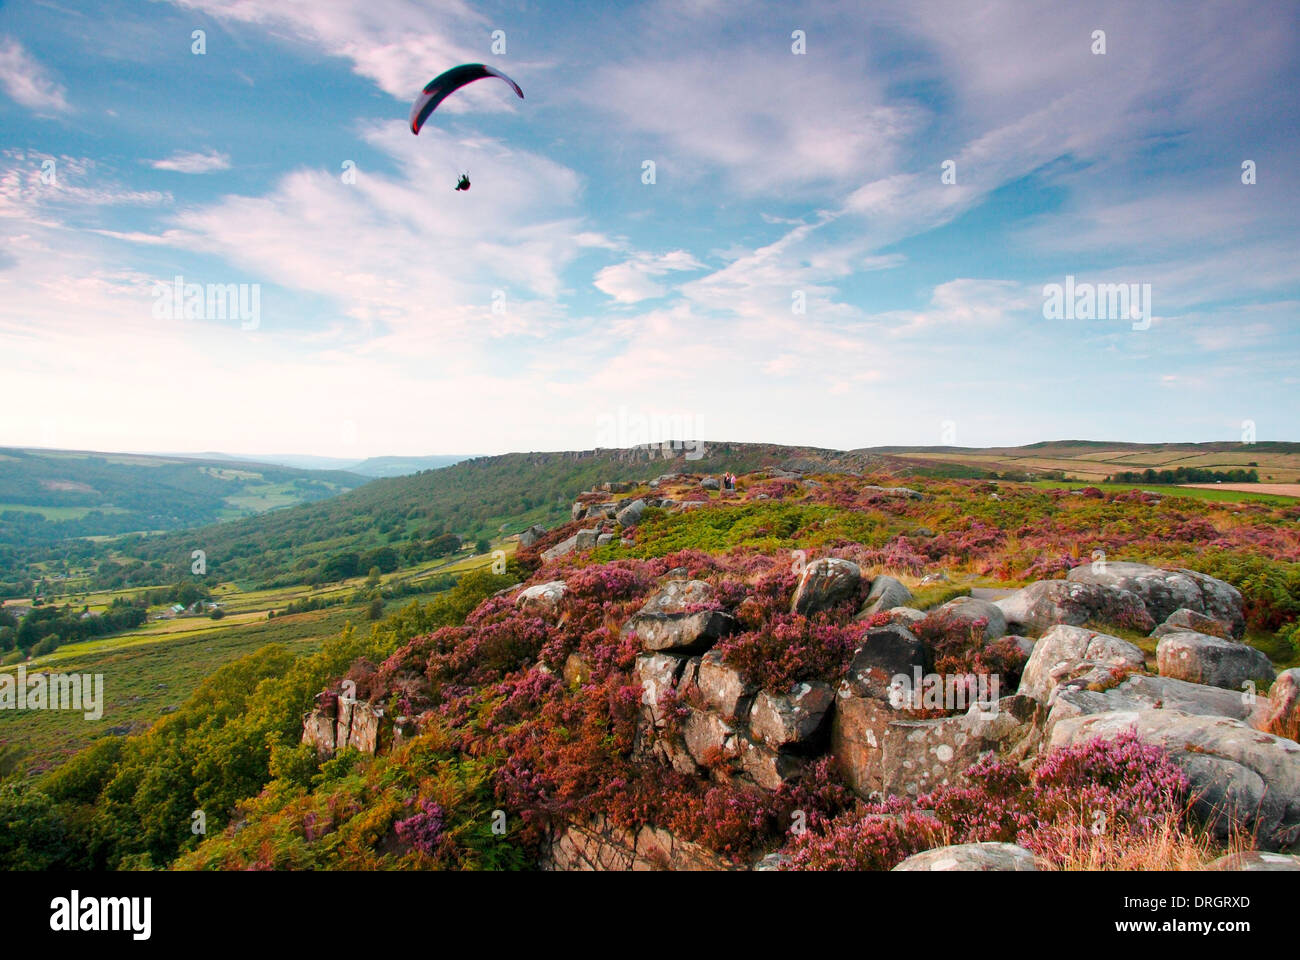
833 224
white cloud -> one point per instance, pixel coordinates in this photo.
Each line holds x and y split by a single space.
190 162
27 82
634 280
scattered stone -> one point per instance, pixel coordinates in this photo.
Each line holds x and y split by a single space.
543 599
885 653
1183 620
561 548
1165 591
824 583
1046 603
711 483
971 856
886 594
1200 658
586 539
1279 714
631 514
969 609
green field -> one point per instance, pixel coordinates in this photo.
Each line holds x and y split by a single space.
1196 493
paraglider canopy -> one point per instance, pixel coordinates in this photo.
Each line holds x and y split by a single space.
443 85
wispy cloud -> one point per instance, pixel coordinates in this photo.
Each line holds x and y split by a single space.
27 82
191 162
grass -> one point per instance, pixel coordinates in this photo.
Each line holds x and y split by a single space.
142 677
1167 490
59 513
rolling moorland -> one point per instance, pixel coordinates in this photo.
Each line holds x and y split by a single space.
510 722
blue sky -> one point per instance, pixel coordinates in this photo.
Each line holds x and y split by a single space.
629 311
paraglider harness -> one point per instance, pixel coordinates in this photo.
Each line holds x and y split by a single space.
463 182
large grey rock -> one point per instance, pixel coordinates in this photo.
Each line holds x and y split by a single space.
1239 776
824 583
967 610
1068 653
886 593
542 599
971 856
561 548
586 539
1046 603
711 483
790 719
905 492
919 756
631 514
885 653
723 689
669 622
1164 591
1141 692
1183 620
1200 658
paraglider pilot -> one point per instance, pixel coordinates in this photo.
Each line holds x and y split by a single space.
463 182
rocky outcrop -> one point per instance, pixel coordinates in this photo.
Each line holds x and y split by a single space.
723 689
630 514
918 756
793 719
1078 655
670 621
339 722
971 856
1046 603
600 845
1200 658
825 583
1240 777
1258 861
1165 591
560 549
532 535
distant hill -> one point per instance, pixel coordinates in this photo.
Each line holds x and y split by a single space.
52 495
388 466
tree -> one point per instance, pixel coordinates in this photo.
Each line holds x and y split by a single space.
483 545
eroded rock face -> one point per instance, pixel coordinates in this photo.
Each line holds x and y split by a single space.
723 689
857 739
1238 774
971 856
1200 658
768 768
825 583
599 845
532 535
1046 603
542 599
969 609
668 622
709 739
886 593
657 673
1068 653
586 539
1165 591
921 755
790 719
